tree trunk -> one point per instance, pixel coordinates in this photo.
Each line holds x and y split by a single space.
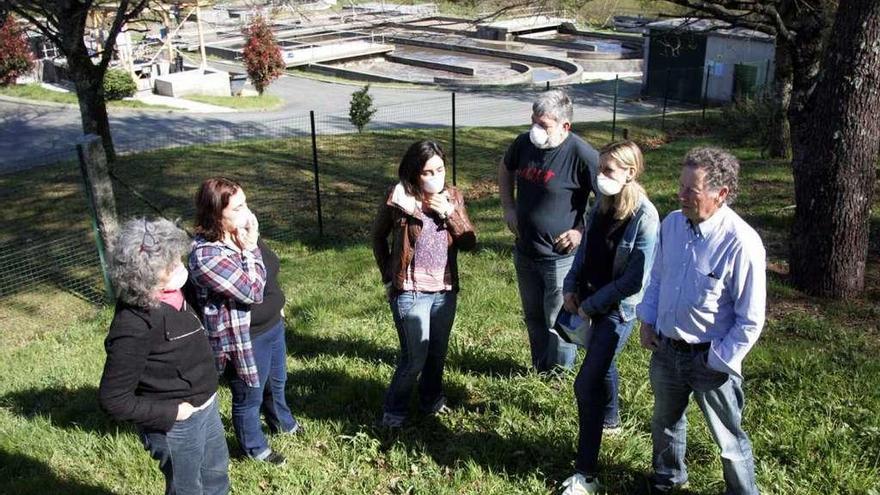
779 144
88 79
836 135
92 107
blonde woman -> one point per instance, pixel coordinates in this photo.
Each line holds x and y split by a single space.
605 283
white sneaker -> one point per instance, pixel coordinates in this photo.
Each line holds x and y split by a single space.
578 485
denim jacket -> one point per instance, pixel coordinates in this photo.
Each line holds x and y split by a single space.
632 264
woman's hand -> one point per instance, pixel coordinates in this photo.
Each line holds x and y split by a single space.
184 411
439 204
571 302
246 238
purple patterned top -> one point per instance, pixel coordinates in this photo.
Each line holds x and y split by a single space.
427 272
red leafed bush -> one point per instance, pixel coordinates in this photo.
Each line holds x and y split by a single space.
15 55
262 57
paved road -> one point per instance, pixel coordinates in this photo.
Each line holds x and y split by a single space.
32 135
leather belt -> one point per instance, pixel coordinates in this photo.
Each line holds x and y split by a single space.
680 345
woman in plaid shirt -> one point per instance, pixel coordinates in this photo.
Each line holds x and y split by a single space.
236 278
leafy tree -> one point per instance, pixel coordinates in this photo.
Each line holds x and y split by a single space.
15 55
262 56
361 109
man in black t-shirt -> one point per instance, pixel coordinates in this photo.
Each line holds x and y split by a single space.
553 171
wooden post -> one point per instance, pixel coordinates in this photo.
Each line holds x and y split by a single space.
99 191
201 36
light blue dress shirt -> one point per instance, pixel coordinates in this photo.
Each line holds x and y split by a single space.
708 284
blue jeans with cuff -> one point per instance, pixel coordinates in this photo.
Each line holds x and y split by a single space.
424 322
270 353
676 374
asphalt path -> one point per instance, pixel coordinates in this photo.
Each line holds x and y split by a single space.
32 135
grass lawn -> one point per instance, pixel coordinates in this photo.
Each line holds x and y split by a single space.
39 93
813 404
264 102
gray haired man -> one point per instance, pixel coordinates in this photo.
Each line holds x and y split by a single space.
553 172
702 312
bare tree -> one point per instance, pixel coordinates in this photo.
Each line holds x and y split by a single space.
63 22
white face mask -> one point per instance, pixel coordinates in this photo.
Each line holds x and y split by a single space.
178 278
608 186
539 137
243 218
434 184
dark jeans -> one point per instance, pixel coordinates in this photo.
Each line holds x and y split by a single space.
424 322
596 387
193 454
540 291
270 353
675 376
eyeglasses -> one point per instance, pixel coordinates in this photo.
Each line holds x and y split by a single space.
152 246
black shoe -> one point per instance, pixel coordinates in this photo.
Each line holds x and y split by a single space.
275 458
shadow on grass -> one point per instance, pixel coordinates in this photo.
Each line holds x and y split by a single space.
65 407
307 345
23 475
355 402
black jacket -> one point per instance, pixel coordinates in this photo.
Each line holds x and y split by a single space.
156 359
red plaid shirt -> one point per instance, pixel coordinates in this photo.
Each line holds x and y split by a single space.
228 282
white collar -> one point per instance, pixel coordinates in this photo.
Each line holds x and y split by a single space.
405 201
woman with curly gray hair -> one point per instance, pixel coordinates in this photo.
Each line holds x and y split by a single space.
160 372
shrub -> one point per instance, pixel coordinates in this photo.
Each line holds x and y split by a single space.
361 109
262 57
15 55
748 120
118 84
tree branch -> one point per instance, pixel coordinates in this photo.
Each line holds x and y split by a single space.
123 15
738 13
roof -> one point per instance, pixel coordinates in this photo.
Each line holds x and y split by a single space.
710 27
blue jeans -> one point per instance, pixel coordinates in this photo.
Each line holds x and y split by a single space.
424 322
270 353
540 290
192 454
675 374
596 387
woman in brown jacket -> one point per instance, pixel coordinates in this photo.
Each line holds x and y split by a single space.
428 224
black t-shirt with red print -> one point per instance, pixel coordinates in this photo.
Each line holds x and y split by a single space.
552 188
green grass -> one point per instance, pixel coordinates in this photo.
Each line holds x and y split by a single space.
813 405
264 102
38 93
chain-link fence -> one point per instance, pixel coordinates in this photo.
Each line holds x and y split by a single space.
311 178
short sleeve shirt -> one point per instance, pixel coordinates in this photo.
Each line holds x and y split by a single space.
552 188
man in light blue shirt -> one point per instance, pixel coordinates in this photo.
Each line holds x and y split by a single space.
702 312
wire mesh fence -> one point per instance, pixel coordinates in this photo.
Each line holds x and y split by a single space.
312 177
46 238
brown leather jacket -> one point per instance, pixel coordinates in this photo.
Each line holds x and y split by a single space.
405 228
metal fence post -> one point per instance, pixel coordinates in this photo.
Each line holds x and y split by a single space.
102 205
665 98
317 174
614 114
454 149
705 94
